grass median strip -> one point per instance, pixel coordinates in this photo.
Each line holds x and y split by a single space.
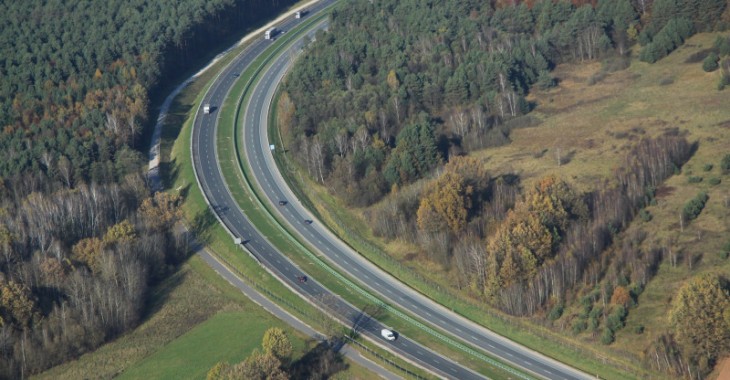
247 198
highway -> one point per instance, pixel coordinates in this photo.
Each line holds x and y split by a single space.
266 173
211 182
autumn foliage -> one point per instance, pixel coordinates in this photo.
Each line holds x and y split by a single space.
621 296
700 317
530 234
449 200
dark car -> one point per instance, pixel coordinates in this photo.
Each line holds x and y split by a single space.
282 203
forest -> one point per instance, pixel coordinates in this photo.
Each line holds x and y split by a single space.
386 107
82 238
396 88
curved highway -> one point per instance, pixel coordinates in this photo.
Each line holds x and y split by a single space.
265 172
212 183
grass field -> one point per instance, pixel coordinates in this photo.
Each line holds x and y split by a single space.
591 127
227 336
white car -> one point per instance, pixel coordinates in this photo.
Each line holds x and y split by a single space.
387 334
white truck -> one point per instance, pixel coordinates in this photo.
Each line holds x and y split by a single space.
269 35
206 109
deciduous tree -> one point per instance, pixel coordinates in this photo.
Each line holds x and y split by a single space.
276 343
698 316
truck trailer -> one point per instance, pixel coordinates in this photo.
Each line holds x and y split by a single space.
269 35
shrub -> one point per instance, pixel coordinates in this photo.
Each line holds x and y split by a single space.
666 81
638 330
650 195
595 313
579 326
614 64
593 324
545 80
725 251
615 320
635 290
714 181
694 179
710 63
694 207
725 164
724 82
585 311
607 337
645 215
597 77
722 44
556 312
708 167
